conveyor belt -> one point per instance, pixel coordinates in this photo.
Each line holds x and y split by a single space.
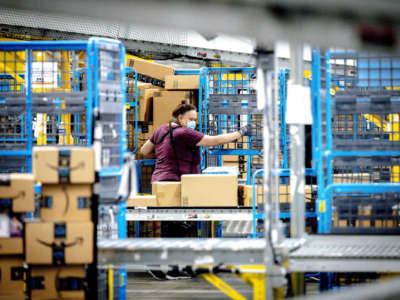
181 251
182 214
346 253
319 253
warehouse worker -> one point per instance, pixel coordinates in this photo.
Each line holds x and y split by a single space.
176 147
176 144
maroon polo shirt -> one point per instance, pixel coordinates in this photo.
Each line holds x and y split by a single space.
185 139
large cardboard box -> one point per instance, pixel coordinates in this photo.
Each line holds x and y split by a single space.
209 190
66 202
55 282
20 188
168 193
182 82
150 69
63 164
56 243
142 201
12 276
164 103
11 246
145 99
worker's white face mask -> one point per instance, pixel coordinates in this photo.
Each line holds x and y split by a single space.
191 124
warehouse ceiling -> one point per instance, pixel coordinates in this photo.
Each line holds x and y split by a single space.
343 23
141 40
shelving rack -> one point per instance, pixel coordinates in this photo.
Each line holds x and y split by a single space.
227 91
359 188
67 93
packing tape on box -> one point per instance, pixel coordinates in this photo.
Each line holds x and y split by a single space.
82 202
62 284
64 167
58 249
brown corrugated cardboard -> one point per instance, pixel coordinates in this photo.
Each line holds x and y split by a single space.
51 279
65 203
12 275
145 112
13 296
131 88
142 201
74 165
21 189
11 246
209 190
164 103
168 193
40 241
150 69
246 191
182 82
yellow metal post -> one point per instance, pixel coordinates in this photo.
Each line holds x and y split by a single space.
110 283
66 138
257 282
394 121
223 287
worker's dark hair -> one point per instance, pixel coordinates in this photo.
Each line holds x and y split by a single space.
182 108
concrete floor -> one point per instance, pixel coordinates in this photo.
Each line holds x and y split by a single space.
143 286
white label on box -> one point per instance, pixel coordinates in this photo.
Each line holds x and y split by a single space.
298 109
4 226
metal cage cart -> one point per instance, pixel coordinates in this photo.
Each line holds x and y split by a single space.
64 93
131 110
359 144
283 193
228 91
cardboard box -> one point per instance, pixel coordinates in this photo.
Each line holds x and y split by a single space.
351 178
142 201
12 276
246 193
209 190
63 164
150 69
65 203
21 189
284 193
182 82
145 99
13 296
164 103
11 246
54 282
131 87
168 193
56 243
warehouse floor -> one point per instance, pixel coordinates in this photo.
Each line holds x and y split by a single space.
143 286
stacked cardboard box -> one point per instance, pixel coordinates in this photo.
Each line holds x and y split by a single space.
202 190
17 194
150 71
182 82
60 245
165 102
245 193
206 190
239 161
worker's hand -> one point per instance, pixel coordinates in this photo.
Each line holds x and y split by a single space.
245 130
